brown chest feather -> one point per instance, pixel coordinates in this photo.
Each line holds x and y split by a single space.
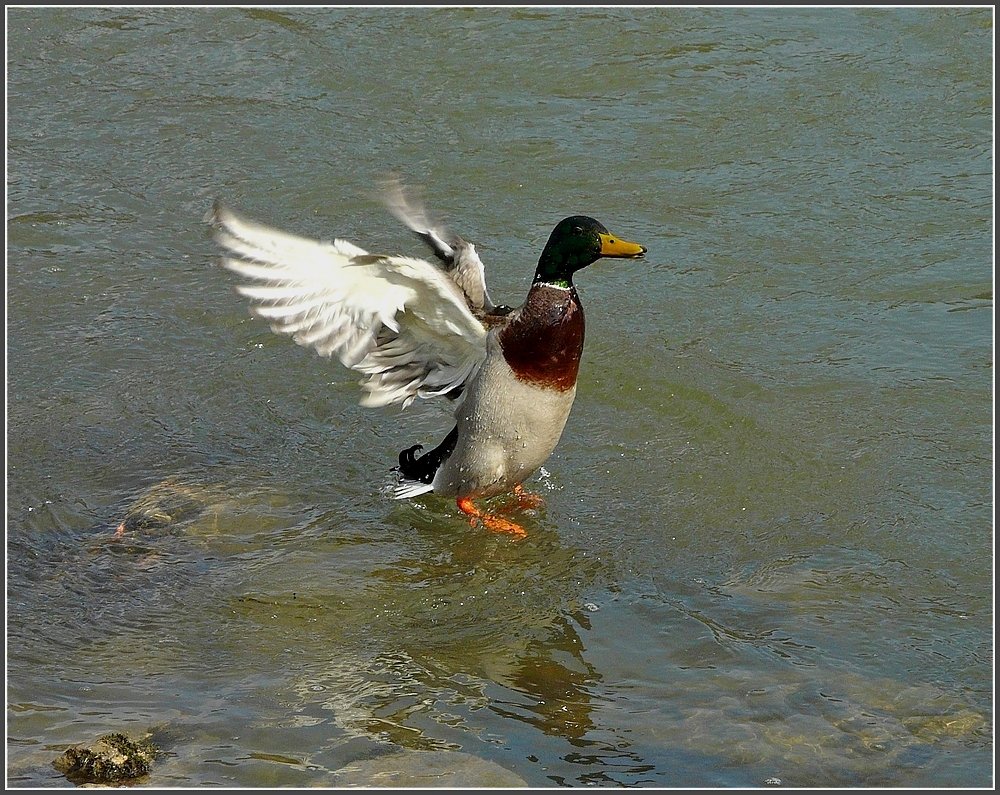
543 343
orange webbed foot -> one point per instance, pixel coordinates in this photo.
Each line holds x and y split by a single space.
494 523
526 499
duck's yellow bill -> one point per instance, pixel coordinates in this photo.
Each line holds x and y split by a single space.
612 246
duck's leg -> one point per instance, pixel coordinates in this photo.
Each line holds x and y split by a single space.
494 523
526 499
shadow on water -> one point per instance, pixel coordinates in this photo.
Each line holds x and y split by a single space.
447 618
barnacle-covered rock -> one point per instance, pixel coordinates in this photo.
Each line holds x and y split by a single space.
112 759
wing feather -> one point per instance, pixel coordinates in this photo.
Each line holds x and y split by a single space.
400 321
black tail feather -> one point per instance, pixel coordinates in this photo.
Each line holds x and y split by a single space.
424 468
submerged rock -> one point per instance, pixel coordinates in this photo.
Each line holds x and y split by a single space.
952 724
427 769
184 507
166 504
112 759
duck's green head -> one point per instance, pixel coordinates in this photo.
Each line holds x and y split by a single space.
575 243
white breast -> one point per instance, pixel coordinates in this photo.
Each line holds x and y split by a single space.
507 428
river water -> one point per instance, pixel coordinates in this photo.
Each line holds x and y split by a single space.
766 547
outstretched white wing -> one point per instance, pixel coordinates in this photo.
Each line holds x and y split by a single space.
401 321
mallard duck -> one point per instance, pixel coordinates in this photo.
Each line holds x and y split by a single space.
415 329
